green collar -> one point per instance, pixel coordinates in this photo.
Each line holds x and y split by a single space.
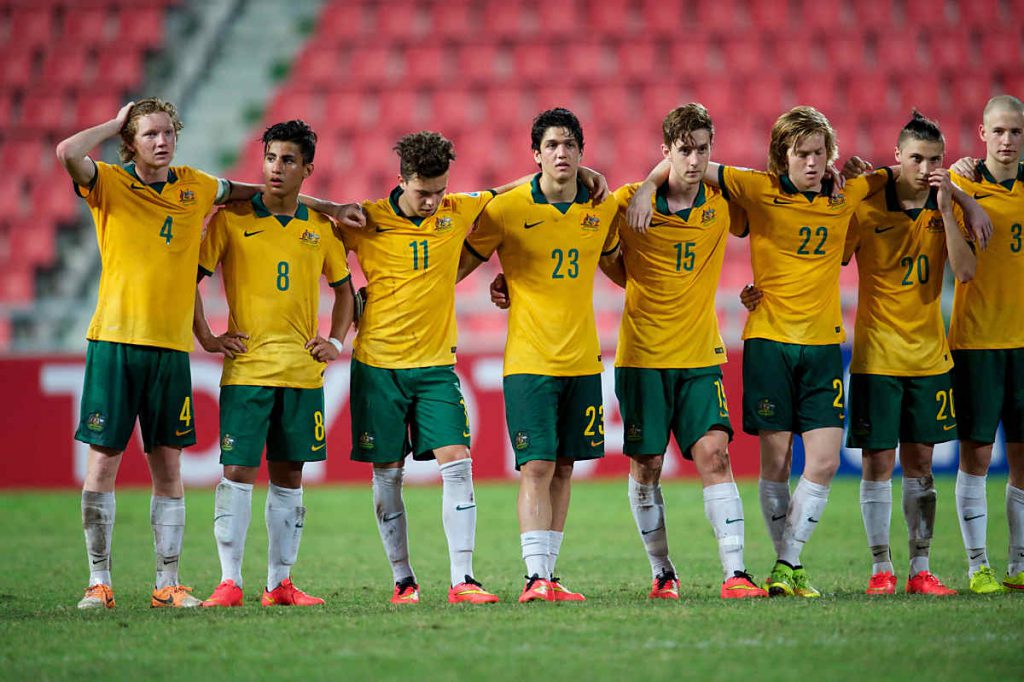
172 177
661 201
393 199
1008 184
789 188
582 195
261 211
892 200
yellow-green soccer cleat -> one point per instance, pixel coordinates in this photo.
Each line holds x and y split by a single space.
1014 582
802 586
779 582
984 581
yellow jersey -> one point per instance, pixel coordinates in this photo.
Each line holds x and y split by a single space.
796 250
987 311
410 265
672 273
901 255
550 254
271 268
148 237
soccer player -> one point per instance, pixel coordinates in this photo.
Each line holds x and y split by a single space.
987 337
273 251
668 377
549 239
900 383
149 218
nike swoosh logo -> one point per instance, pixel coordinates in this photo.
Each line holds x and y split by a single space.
653 530
981 196
182 433
247 233
98 561
314 448
381 229
947 428
781 202
391 517
659 224
975 556
465 434
880 230
527 226
137 187
169 600
728 521
812 519
971 518
464 507
778 518
168 562
595 443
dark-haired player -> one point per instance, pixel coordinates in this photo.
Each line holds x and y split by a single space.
273 251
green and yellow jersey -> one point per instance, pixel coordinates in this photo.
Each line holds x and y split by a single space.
411 265
987 312
271 267
796 250
549 253
148 237
901 255
672 274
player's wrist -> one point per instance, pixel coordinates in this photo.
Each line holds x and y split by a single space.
337 343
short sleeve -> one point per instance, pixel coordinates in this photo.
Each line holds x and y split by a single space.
472 204
740 184
859 188
739 224
94 193
487 236
211 251
335 265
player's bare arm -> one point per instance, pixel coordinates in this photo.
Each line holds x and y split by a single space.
73 152
979 224
350 215
961 258
614 267
328 350
228 344
468 262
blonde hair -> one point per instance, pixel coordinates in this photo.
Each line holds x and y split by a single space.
1008 102
793 127
144 107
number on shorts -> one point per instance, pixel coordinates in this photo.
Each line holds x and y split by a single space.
723 405
945 401
837 385
186 411
596 416
282 276
319 433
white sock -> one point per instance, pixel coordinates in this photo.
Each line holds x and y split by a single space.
724 509
285 518
876 510
390 508
1015 517
232 511
649 513
972 511
98 511
458 514
535 552
167 515
805 509
555 538
775 500
919 511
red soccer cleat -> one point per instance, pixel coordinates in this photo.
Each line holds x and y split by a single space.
536 589
406 592
470 592
741 586
883 583
225 594
562 593
665 586
925 582
286 594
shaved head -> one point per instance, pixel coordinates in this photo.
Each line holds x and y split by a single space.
1003 103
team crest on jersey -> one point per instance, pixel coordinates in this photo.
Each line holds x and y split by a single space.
96 421
310 238
521 440
836 201
186 197
766 408
590 222
227 442
634 433
935 224
444 224
707 216
366 441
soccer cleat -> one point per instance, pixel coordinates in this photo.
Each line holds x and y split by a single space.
562 593
802 586
406 592
882 583
536 589
779 582
984 581
225 594
1013 582
97 597
470 592
925 582
665 586
286 594
173 597
741 586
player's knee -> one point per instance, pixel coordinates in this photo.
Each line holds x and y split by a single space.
646 469
563 469
711 461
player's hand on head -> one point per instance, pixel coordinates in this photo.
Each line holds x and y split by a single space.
499 292
966 167
322 350
855 167
640 210
750 296
228 344
122 115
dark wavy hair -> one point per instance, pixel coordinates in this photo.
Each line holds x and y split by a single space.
295 131
558 117
426 154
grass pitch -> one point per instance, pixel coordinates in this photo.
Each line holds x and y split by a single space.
616 635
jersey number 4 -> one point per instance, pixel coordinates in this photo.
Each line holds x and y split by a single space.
167 230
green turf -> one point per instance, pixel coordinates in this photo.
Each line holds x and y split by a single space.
617 634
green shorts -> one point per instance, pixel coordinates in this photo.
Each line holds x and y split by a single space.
554 417
791 387
654 402
289 421
989 388
124 381
398 411
887 410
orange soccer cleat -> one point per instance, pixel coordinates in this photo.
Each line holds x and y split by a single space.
562 593
665 586
406 592
97 597
536 589
173 597
741 586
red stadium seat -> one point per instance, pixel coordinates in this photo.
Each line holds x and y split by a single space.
338 22
532 62
296 104
346 109
983 14
30 156
85 26
637 60
589 62
874 12
16 284
870 93
374 66
401 20
30 27
65 69
32 242
742 55
403 111
119 67
949 50
820 92
504 108
95 108
140 27
922 92
319 66
45 112
501 19
719 17
427 66
454 20
898 52
609 17
453 110
927 15
17 68
477 63
557 18
6 110
615 103
820 15
763 96
771 17
1002 49
663 19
